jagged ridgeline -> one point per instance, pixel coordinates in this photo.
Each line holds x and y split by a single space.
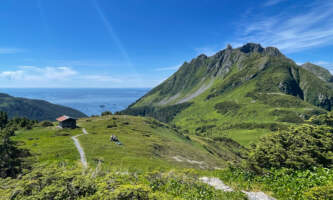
250 89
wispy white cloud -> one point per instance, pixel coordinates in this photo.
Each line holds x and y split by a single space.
272 2
67 77
32 73
10 50
292 32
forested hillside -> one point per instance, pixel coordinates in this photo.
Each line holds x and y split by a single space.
35 109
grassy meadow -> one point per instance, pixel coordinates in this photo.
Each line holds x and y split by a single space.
146 144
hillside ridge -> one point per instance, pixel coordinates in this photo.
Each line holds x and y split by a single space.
35 109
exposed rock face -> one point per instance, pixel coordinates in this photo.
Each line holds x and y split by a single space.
272 51
252 47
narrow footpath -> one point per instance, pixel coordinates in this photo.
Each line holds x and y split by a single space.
80 149
219 185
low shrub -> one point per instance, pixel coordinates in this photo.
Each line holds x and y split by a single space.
227 107
286 184
59 182
300 147
105 113
323 119
320 192
46 123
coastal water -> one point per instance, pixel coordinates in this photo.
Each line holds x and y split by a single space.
89 101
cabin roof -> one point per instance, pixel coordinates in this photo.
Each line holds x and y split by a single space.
64 118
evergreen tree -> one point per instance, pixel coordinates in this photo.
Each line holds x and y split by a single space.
10 155
3 119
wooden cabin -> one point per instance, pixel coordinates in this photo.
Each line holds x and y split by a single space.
67 122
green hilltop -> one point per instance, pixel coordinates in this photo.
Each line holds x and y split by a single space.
320 72
242 93
35 109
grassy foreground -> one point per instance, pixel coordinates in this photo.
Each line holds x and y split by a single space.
146 144
156 161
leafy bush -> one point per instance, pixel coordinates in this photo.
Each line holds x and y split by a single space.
285 183
105 113
324 119
227 107
287 116
21 123
15 123
321 192
301 147
59 182
46 123
3 119
11 163
111 125
253 125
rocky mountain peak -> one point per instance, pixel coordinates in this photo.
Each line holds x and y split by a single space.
272 51
257 48
251 47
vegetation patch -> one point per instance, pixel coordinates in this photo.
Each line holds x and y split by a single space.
301 147
111 125
324 119
287 116
204 129
46 124
227 107
286 184
62 133
277 100
164 114
57 182
253 125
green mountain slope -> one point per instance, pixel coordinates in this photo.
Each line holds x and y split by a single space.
146 143
243 93
35 109
320 72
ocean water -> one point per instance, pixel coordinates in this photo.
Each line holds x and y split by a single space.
89 101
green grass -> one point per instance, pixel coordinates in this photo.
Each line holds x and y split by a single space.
147 144
237 108
145 158
49 145
246 137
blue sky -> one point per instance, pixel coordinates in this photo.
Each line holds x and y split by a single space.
139 43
